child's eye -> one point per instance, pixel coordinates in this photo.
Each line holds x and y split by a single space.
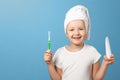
71 29
81 29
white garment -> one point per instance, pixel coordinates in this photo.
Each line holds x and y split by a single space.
76 65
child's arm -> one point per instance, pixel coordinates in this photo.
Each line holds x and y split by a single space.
99 72
55 73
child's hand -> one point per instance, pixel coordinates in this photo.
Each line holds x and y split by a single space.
108 61
48 57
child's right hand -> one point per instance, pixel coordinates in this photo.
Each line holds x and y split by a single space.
48 57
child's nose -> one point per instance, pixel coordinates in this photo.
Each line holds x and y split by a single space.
76 32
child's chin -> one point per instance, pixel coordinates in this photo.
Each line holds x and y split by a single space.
77 44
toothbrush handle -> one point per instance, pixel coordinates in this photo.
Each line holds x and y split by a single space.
49 46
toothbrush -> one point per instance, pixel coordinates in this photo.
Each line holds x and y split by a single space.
49 46
108 49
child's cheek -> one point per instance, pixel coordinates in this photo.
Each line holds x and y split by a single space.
70 34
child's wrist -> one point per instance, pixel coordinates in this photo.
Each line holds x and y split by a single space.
105 63
50 64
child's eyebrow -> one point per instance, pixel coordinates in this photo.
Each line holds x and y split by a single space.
71 27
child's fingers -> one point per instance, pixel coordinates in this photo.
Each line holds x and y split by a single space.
112 56
109 60
106 58
48 51
48 56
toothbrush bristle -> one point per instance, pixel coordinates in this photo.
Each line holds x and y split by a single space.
48 35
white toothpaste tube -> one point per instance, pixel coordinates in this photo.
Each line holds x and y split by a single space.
108 49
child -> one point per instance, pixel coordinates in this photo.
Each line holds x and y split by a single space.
77 61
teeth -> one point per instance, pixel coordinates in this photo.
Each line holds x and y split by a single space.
76 37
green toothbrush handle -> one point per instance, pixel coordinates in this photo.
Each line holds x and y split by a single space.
49 46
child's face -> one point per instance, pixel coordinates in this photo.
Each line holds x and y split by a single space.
76 32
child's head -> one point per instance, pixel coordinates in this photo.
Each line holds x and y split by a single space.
76 32
78 12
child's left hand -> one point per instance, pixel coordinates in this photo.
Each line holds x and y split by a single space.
108 61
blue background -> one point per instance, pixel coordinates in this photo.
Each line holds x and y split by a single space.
23 34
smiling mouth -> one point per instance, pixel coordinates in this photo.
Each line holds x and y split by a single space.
76 37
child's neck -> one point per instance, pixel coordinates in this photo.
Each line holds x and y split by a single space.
75 48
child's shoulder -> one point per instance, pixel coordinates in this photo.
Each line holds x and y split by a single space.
60 49
90 47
